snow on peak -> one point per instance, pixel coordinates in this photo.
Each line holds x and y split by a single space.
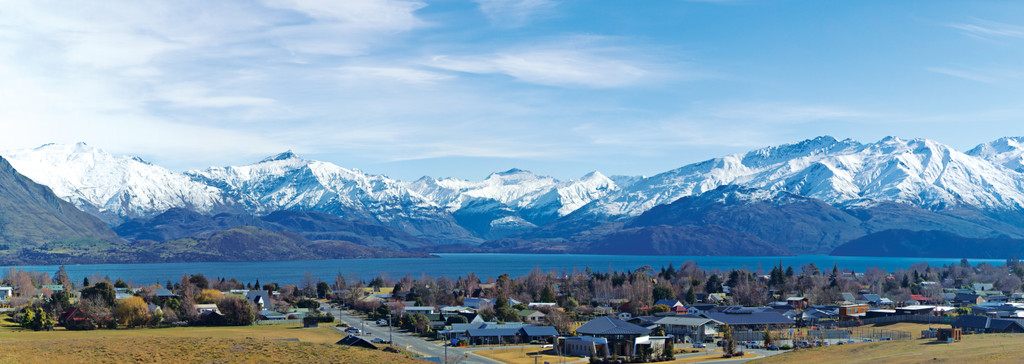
1007 152
919 172
117 187
281 156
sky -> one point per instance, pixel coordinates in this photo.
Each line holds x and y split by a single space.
448 88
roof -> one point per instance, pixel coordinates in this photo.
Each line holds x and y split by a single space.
163 292
531 330
491 332
611 326
751 318
680 320
353 340
669 303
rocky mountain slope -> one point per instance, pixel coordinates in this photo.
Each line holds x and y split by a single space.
30 215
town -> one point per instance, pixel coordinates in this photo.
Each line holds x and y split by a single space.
643 315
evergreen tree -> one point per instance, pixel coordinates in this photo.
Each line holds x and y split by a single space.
547 295
691 296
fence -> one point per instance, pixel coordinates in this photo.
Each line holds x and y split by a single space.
833 336
923 319
275 322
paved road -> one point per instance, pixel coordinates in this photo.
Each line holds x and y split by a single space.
411 342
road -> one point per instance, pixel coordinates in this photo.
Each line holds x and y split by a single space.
411 342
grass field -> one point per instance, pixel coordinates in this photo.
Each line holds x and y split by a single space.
231 344
187 350
990 348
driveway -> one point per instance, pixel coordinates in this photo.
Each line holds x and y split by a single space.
411 342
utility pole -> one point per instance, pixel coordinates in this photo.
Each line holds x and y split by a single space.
391 338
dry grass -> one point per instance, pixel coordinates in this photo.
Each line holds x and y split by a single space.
523 355
187 350
323 334
230 344
991 348
912 328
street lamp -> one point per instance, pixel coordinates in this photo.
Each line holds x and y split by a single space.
391 338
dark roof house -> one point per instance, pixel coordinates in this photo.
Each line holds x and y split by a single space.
603 326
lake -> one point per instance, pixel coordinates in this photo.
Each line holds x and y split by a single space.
454 265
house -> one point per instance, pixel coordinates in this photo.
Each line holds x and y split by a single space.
621 336
539 305
419 310
879 312
477 303
543 334
693 327
485 335
981 287
987 325
356 341
921 299
163 293
877 301
207 307
271 315
798 302
259 298
669 303
915 310
968 299
698 309
6 293
814 315
750 320
532 316
584 346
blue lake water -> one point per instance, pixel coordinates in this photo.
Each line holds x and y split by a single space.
454 265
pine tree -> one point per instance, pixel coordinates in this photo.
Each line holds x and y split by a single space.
691 296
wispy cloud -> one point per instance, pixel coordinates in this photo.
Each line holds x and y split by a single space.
514 13
990 76
396 73
588 62
989 30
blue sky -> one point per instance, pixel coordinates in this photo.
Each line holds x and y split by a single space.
464 88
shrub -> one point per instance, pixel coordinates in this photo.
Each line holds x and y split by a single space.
132 312
237 311
80 324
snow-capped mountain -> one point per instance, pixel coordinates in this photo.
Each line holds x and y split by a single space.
917 172
842 173
113 188
1007 152
538 199
288 182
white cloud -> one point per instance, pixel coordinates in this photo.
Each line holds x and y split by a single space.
400 74
990 76
570 64
514 13
197 95
990 30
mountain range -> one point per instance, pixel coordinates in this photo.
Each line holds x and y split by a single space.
806 197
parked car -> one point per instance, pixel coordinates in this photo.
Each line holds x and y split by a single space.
699 345
382 322
352 330
722 343
773 347
867 340
850 342
378 340
886 339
